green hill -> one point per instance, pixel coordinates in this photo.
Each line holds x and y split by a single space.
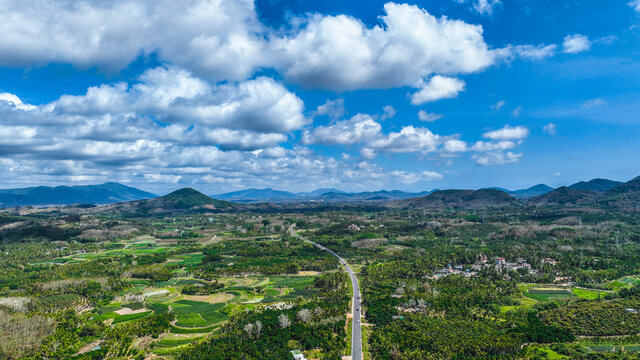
563 196
181 201
623 197
597 185
459 199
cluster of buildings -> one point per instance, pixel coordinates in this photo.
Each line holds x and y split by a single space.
500 264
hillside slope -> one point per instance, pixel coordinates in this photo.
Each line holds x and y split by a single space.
623 197
597 185
181 201
563 196
459 199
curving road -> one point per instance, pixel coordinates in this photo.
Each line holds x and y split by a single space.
356 330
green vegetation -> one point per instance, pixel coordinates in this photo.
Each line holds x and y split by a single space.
199 283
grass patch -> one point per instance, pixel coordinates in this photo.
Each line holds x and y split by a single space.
179 330
197 314
169 343
548 294
588 294
129 317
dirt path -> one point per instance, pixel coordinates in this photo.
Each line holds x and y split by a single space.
89 347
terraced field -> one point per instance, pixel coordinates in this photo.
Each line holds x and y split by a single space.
199 315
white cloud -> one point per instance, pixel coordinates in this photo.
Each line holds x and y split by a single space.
499 105
507 133
516 112
168 114
406 177
427 117
389 112
576 43
332 108
217 39
438 87
368 153
550 128
635 4
593 103
359 128
496 158
225 41
175 96
431 175
409 140
484 146
485 7
454 145
163 178
340 53
14 101
534 52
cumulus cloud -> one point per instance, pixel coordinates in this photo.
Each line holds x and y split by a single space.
225 41
635 4
358 129
409 140
496 158
205 117
507 133
574 44
214 38
14 101
493 146
438 87
167 113
341 53
454 146
332 108
427 117
175 96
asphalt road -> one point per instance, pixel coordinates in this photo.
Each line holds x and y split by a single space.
356 330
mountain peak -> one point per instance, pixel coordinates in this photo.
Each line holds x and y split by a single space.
597 185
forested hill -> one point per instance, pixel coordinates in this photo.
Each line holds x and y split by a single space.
470 199
181 201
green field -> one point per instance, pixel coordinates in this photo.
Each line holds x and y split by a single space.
542 294
193 314
123 318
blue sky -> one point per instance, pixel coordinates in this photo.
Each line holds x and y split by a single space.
298 95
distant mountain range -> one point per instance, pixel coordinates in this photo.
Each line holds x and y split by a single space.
65 195
535 190
326 195
596 192
623 196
